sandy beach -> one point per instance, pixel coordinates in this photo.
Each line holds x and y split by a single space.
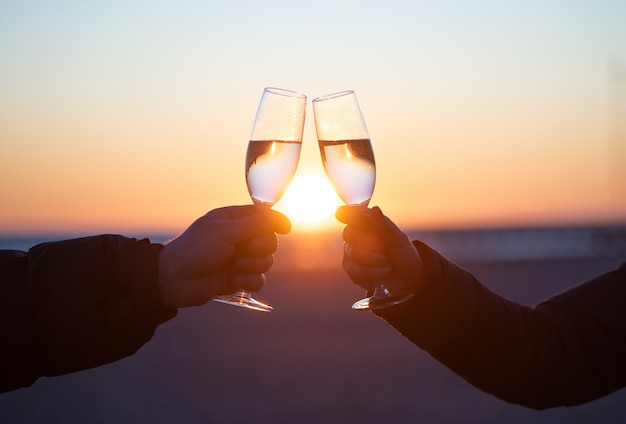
312 360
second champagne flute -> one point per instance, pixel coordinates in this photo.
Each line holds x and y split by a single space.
349 163
271 160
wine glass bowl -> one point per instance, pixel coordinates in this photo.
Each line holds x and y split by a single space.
349 163
270 165
271 160
351 168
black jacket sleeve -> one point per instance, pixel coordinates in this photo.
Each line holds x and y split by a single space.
567 350
76 304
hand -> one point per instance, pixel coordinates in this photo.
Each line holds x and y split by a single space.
376 250
227 249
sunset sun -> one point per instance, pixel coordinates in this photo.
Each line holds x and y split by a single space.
310 199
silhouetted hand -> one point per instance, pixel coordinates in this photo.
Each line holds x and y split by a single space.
376 250
225 250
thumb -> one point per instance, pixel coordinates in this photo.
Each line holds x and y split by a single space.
261 223
354 216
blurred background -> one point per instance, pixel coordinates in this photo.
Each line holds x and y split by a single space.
499 130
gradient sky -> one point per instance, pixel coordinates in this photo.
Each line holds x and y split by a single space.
134 115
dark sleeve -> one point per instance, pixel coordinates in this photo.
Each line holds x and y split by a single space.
567 350
76 304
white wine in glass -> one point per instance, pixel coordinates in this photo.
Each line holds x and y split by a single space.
271 160
349 163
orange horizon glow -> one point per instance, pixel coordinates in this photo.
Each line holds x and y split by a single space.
480 115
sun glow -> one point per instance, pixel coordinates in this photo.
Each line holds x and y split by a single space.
310 199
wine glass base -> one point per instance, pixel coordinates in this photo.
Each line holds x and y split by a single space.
244 300
381 301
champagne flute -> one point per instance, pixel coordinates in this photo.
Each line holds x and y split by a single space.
349 163
271 160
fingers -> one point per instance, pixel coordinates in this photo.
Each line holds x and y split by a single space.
363 247
253 260
249 282
364 257
377 249
363 240
252 265
249 269
248 272
262 245
365 276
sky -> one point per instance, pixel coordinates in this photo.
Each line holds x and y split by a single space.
126 116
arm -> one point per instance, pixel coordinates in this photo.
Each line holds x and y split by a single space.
77 304
567 350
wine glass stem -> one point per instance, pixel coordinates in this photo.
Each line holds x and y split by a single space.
380 290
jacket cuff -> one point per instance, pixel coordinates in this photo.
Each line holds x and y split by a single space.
142 273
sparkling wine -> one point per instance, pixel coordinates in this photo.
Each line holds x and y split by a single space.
351 168
270 165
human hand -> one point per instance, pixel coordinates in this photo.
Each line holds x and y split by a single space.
376 250
225 250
